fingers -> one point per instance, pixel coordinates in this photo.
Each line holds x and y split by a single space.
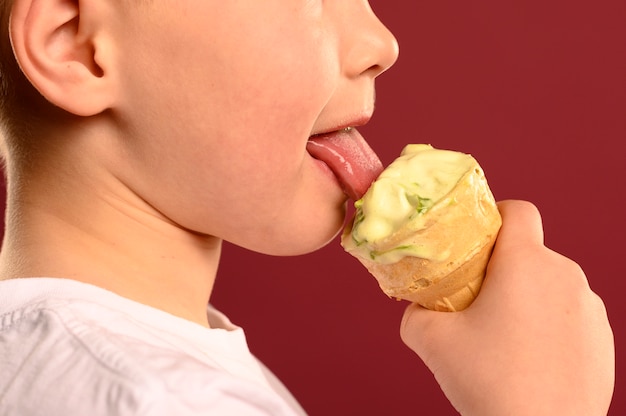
535 330
421 330
518 247
520 251
522 220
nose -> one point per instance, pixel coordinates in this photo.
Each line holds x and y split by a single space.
372 48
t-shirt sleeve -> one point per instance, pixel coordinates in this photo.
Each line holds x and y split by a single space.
220 396
52 370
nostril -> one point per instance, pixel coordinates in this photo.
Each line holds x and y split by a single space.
372 47
377 69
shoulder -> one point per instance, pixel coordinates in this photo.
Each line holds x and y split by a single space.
54 355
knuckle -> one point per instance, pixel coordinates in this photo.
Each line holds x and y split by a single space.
575 274
418 329
406 325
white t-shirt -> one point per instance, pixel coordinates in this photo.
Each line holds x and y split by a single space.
69 348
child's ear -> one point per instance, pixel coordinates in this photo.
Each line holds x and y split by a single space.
63 51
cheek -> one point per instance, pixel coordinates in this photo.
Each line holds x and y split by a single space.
224 133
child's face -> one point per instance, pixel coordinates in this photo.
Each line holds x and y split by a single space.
222 97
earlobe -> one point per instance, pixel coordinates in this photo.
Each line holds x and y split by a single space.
60 47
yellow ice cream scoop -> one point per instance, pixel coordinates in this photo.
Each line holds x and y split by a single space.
426 227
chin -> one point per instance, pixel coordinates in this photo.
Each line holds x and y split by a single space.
307 247
304 238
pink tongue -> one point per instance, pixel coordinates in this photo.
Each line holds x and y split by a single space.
351 159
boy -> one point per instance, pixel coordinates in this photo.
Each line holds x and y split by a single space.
140 135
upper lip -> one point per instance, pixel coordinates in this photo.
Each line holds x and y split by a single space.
354 122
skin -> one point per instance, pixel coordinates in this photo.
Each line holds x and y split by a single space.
537 349
157 161
166 149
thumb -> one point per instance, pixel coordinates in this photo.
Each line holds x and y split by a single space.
423 330
521 225
518 252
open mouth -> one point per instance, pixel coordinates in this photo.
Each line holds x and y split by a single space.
349 157
338 131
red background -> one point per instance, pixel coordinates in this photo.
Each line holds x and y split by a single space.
536 91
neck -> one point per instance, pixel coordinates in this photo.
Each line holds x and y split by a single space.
93 229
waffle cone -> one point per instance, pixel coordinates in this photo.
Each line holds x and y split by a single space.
454 291
459 232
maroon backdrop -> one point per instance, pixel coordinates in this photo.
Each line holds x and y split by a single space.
536 90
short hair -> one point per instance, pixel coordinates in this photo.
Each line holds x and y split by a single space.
22 107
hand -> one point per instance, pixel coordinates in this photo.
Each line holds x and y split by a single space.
536 341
